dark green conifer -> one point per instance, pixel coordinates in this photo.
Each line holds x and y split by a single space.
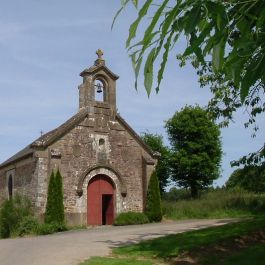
59 198
153 204
50 211
54 208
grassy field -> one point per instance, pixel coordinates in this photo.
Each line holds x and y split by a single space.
216 204
201 243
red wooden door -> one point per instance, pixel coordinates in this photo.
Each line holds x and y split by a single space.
100 201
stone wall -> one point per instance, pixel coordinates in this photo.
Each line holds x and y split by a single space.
87 145
24 182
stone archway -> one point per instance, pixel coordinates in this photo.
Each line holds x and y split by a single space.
100 201
119 198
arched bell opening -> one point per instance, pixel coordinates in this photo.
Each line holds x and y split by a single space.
100 90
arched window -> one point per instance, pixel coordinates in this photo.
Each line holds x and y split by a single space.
10 186
99 90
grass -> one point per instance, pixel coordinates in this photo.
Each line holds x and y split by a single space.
216 204
115 261
171 246
254 255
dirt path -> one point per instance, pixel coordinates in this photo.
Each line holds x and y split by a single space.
70 248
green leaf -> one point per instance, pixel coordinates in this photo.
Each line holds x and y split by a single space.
218 55
261 18
149 30
123 4
252 74
148 72
196 42
164 60
170 17
134 25
191 19
136 67
149 34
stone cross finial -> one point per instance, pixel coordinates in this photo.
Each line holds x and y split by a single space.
99 53
100 60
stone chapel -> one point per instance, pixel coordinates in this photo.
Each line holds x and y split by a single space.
104 164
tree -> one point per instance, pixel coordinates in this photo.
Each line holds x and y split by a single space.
153 209
54 208
59 198
155 142
196 148
50 211
225 43
250 178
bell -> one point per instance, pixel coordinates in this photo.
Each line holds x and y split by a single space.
99 87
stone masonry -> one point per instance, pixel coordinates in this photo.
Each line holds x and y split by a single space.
95 141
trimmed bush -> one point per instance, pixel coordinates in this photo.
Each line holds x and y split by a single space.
54 213
131 218
153 208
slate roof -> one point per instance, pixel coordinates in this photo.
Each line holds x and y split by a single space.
27 151
51 136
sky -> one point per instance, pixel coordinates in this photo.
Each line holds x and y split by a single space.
44 45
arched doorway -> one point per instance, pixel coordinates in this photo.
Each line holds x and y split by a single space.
100 201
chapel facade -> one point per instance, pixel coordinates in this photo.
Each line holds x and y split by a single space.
104 164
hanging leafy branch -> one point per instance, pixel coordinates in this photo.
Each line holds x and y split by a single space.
225 39
230 33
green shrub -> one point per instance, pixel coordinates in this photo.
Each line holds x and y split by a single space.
50 211
59 199
153 208
11 214
131 218
46 229
54 208
28 225
7 219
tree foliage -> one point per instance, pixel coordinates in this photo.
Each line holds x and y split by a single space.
225 40
54 208
153 209
250 178
196 148
155 142
230 33
225 102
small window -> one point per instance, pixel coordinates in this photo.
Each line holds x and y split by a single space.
10 186
101 144
99 90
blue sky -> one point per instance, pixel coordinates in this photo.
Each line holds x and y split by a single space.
44 45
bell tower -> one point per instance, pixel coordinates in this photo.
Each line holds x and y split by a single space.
98 90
